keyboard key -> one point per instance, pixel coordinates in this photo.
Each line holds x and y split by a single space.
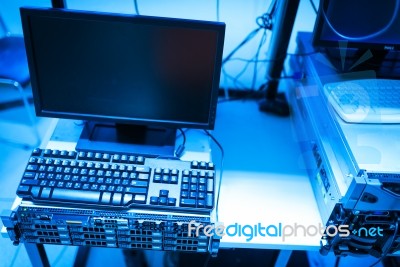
32 167
47 152
143 169
174 180
157 178
139 183
188 202
23 189
131 159
185 186
29 182
162 201
136 190
165 178
116 158
85 186
184 194
140 160
140 199
106 197
36 152
193 187
209 200
127 199
210 166
201 203
164 193
35 191
143 176
29 175
111 188
154 200
203 165
195 164
116 200
210 185
171 201
75 195
45 193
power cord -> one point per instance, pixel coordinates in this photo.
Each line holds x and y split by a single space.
221 170
313 6
217 9
181 147
135 3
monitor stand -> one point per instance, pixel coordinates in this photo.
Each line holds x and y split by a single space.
124 138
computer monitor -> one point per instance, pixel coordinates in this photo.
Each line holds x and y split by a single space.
152 72
360 26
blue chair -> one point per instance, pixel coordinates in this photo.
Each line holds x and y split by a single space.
14 73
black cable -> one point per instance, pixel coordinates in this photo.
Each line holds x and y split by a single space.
313 6
207 260
231 77
262 41
396 230
135 3
217 9
236 78
253 60
220 172
245 40
337 261
271 60
181 147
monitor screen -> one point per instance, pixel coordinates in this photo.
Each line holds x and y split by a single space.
123 68
371 24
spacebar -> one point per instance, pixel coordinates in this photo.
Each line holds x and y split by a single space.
75 195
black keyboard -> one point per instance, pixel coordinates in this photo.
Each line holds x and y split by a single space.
117 181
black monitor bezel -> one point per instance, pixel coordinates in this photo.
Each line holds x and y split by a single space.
317 40
218 27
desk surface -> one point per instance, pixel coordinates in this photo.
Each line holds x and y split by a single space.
264 179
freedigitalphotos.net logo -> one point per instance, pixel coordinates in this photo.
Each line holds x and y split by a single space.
280 230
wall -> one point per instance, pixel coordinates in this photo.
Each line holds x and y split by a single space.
239 16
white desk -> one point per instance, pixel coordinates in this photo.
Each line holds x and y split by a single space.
264 180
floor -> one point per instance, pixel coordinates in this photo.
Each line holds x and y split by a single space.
13 158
